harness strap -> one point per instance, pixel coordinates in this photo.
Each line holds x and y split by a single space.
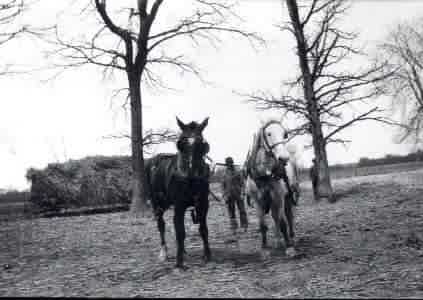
266 142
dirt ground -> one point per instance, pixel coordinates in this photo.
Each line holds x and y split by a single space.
368 244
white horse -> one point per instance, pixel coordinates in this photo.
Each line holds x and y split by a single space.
272 181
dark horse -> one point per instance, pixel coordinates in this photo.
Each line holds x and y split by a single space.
181 180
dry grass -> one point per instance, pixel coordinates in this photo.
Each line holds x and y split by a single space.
368 244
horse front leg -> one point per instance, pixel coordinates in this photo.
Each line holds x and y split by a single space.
290 250
280 193
264 252
286 226
277 219
259 200
262 226
178 220
204 231
290 218
163 247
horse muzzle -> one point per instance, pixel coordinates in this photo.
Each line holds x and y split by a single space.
282 161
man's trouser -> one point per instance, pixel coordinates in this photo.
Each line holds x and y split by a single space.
239 202
314 182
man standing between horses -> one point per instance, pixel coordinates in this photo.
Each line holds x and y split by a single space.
314 175
232 187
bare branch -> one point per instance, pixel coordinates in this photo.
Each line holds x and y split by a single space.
101 8
362 117
11 29
150 138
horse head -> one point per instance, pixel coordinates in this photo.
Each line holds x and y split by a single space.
274 138
192 148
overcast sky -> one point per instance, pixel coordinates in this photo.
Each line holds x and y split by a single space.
68 118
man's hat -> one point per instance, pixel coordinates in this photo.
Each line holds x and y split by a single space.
229 161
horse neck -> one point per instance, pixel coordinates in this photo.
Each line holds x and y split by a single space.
181 170
184 171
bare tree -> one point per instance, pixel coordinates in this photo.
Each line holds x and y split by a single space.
327 83
403 49
136 47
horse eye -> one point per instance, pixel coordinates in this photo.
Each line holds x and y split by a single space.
285 136
269 134
181 143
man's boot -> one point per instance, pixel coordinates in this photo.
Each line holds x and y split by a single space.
234 227
244 221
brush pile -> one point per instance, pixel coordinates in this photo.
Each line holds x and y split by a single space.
89 182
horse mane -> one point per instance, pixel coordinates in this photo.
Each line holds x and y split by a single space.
252 153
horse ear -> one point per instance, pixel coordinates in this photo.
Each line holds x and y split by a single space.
204 123
180 124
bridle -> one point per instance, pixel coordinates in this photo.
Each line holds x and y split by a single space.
266 145
182 157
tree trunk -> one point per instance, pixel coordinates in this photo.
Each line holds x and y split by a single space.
324 185
319 145
139 205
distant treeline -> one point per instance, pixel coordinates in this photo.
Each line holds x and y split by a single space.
391 159
388 159
14 196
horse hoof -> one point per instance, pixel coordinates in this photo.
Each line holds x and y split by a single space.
279 245
264 254
163 255
179 267
291 252
230 240
206 258
162 258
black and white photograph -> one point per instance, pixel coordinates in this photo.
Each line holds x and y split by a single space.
211 148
